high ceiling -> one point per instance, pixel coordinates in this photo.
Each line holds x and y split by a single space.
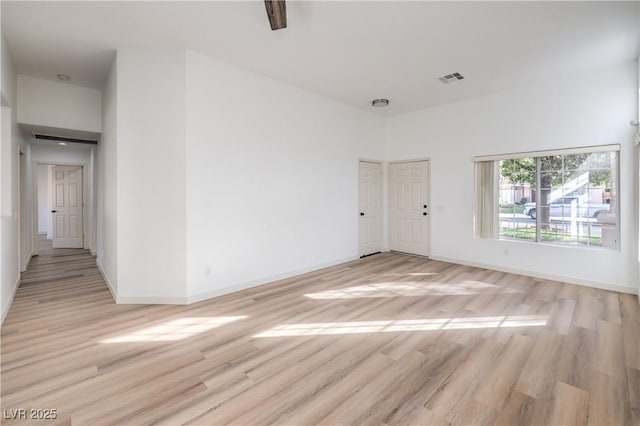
349 51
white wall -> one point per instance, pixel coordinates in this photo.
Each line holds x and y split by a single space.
8 74
93 202
151 175
44 206
26 214
637 192
9 270
60 105
213 168
60 155
271 184
107 180
11 251
578 110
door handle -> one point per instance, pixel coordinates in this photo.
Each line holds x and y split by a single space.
54 211
424 214
361 214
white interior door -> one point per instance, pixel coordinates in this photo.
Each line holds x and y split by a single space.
409 207
67 207
370 203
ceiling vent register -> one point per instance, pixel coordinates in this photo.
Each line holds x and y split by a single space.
451 78
64 139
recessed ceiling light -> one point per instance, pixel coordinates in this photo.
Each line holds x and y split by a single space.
380 102
63 77
62 143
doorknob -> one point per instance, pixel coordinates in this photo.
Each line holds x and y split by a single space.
425 206
361 214
424 214
54 211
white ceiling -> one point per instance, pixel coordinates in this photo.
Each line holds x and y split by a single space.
349 51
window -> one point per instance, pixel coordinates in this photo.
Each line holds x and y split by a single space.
564 197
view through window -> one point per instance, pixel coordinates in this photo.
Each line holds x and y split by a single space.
561 199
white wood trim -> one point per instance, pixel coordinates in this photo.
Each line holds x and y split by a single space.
113 291
134 300
411 160
384 207
26 263
85 198
263 281
35 240
552 277
430 207
9 302
567 151
20 210
387 216
366 160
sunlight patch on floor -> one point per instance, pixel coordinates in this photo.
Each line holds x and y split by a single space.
411 288
394 326
412 274
177 329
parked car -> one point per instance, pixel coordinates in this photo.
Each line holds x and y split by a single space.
561 207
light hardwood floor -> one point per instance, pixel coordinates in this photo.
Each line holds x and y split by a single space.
388 339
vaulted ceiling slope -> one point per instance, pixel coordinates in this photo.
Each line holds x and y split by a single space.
349 51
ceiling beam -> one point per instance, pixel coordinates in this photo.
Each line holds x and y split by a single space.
277 13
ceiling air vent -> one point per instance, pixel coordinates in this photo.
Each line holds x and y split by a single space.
64 139
451 78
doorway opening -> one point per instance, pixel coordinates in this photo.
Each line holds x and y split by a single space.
60 210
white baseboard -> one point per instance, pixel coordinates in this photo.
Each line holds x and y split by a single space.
142 300
586 283
125 300
135 300
7 305
113 291
26 263
262 281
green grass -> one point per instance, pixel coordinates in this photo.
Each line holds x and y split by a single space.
548 235
511 208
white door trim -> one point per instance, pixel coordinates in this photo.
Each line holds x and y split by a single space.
367 160
85 198
383 209
387 179
67 231
413 160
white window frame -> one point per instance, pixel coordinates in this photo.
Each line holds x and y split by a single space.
544 153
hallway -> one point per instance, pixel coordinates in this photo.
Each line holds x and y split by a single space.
59 264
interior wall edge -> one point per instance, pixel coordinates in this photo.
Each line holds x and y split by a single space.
107 280
9 302
533 274
25 265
